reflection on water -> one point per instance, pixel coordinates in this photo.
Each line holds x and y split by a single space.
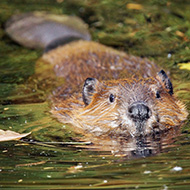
127 148
138 147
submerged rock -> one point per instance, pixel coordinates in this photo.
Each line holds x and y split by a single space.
39 29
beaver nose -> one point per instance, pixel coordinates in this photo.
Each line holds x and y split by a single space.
139 111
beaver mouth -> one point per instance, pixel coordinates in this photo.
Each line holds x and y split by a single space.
140 127
146 127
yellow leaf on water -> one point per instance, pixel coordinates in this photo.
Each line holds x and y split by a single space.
134 6
184 66
11 135
179 33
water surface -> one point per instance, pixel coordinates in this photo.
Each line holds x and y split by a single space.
159 30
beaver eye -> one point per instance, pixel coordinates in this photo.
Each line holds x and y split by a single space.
111 98
157 94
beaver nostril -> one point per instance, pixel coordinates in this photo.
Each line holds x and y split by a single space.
139 111
130 110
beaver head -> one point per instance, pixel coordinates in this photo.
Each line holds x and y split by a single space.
136 106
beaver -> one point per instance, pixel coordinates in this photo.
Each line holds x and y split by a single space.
108 92
121 94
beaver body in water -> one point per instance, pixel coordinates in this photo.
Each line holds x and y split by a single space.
108 92
122 94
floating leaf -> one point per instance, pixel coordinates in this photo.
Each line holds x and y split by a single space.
179 33
11 135
134 6
184 66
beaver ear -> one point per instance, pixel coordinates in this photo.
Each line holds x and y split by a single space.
89 88
162 76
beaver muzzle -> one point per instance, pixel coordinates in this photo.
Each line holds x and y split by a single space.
139 112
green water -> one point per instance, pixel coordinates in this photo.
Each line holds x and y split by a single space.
160 30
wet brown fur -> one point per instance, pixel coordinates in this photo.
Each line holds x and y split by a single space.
78 60
128 77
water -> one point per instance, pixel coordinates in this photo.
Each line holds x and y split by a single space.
37 162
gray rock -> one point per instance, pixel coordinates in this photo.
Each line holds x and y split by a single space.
39 29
